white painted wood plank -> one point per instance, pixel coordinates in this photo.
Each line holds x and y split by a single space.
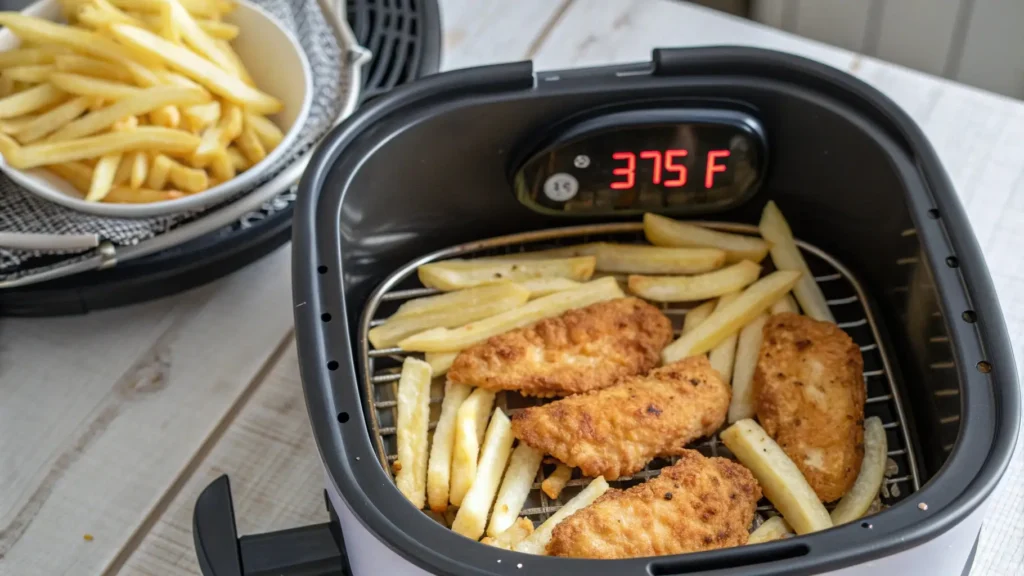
478 33
917 33
770 12
130 442
993 48
276 477
594 32
838 22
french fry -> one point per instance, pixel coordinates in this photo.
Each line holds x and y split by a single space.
168 117
537 542
27 57
124 170
221 166
411 430
103 177
636 258
508 539
200 116
692 288
395 330
76 173
440 463
555 483
470 421
201 8
159 172
696 316
731 318
786 256
52 120
142 103
89 86
126 195
6 86
143 138
139 171
269 134
237 159
125 124
785 304
458 299
30 100
456 274
169 27
9 149
218 30
440 362
99 19
543 286
196 37
456 339
723 354
472 517
774 528
195 67
856 502
41 31
216 138
237 66
515 488
748 347
250 145
781 480
86 66
32 74
15 125
187 179
662 231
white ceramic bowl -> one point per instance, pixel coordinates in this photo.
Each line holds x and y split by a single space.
277 64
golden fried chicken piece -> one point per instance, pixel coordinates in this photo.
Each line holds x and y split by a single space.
696 504
617 431
809 389
583 349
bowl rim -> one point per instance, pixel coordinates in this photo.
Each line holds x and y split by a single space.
199 200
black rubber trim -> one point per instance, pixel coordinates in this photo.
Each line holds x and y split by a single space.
992 400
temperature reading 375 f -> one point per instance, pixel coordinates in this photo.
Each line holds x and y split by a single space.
666 168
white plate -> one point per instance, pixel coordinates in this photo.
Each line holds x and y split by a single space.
278 66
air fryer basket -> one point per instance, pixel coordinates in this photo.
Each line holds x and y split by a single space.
427 167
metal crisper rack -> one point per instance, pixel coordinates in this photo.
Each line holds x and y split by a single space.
380 369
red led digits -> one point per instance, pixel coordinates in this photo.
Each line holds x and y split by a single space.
709 178
629 171
667 161
656 156
671 166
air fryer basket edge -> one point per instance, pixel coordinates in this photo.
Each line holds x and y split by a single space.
420 541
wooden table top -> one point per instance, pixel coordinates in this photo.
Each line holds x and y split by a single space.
112 423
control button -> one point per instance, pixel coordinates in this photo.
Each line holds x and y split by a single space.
561 187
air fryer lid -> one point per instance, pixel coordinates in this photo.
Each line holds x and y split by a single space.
429 165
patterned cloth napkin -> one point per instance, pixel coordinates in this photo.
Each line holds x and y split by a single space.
22 211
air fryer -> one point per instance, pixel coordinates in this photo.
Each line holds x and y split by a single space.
498 159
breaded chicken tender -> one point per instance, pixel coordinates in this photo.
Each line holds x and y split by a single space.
583 349
617 431
809 390
697 504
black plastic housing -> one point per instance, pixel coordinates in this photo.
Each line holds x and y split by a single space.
427 166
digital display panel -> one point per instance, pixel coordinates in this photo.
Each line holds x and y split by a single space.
616 165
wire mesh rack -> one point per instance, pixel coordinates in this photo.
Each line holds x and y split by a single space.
381 369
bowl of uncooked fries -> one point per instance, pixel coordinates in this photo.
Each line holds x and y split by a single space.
139 108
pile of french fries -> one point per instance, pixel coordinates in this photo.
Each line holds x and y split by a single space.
473 476
132 101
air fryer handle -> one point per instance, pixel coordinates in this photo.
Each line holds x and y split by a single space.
307 551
